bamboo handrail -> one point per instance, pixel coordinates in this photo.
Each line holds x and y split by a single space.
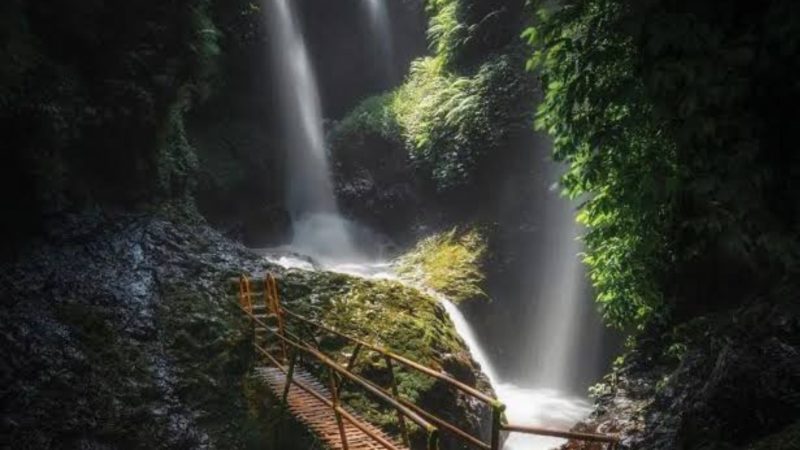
342 371
590 437
403 407
402 360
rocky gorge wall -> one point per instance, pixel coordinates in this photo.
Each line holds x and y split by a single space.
120 331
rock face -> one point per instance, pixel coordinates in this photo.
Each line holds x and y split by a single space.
118 332
376 184
115 335
731 381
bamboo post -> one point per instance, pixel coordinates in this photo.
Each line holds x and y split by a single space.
289 375
433 439
395 393
350 364
271 286
352 361
335 400
497 419
244 293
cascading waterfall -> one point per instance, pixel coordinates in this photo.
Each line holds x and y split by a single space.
317 226
557 314
551 324
524 405
380 27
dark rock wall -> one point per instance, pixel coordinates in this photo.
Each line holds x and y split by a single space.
117 333
91 104
728 381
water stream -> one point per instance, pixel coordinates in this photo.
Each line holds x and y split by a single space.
546 407
317 227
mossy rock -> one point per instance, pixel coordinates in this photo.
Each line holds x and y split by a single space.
401 319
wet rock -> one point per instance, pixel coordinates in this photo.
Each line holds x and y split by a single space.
89 358
118 331
735 382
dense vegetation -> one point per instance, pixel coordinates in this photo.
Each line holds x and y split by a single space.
92 99
459 107
675 119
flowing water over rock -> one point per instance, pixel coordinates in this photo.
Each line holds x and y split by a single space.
524 406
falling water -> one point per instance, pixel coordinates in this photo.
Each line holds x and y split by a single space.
557 327
524 405
380 28
318 228
550 326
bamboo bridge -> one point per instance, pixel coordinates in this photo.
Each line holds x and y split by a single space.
294 367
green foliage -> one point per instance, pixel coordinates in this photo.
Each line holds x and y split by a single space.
448 263
658 108
93 100
616 156
464 33
446 33
204 46
451 125
374 116
177 162
452 118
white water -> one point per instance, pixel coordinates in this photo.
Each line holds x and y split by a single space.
380 28
317 226
556 323
524 406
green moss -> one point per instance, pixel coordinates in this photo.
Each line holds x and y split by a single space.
385 313
374 116
448 263
212 356
382 312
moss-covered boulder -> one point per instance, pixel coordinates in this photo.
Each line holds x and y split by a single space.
448 263
403 320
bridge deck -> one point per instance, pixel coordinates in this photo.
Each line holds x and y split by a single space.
318 416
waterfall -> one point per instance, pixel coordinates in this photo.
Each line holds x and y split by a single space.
552 324
561 335
524 405
380 27
316 224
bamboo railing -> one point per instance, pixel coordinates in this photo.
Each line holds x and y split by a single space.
292 347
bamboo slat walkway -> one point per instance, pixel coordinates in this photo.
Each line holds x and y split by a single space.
318 416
